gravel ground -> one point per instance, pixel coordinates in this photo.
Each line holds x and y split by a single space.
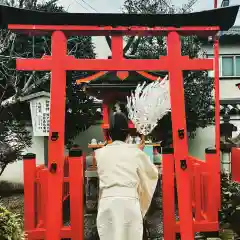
14 204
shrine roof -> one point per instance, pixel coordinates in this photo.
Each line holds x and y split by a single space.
119 78
34 96
234 31
110 85
222 17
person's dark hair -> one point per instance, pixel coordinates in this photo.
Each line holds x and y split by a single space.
226 118
119 127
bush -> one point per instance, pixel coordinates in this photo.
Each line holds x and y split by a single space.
9 188
230 212
10 225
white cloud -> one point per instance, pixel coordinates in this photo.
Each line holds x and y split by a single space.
114 6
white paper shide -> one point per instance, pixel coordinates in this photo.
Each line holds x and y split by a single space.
40 112
148 104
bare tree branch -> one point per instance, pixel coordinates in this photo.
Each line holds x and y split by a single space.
129 43
109 42
6 41
26 90
37 83
14 80
28 82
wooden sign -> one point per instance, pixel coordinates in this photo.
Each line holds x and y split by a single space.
40 112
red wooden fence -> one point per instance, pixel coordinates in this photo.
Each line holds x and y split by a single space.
205 182
235 164
35 197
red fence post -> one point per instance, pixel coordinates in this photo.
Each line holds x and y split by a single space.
76 182
197 191
169 220
213 187
43 194
235 164
40 207
29 164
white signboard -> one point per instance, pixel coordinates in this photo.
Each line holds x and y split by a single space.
40 112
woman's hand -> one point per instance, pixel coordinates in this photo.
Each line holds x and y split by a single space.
142 143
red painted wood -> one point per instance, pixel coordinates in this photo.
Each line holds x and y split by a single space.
70 63
212 191
44 198
56 148
122 75
235 164
105 113
200 163
40 204
40 233
57 121
29 193
91 78
117 48
180 145
76 181
217 97
217 120
108 30
197 191
202 226
169 220
148 75
204 193
174 63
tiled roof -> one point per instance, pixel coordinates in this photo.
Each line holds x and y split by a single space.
234 31
230 106
231 109
225 108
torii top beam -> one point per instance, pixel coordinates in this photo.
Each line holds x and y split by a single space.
100 24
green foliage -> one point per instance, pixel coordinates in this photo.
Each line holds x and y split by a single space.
147 6
230 199
10 188
10 225
14 138
198 86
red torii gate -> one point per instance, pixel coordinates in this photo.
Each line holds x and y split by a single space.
174 63
59 62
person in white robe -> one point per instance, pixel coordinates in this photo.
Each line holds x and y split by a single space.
127 181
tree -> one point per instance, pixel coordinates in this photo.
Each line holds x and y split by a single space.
15 84
198 86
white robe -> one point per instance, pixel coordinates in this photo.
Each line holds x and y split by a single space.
127 181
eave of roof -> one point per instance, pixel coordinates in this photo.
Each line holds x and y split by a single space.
222 17
113 77
234 31
34 96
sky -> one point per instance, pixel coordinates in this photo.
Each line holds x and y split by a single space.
114 6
